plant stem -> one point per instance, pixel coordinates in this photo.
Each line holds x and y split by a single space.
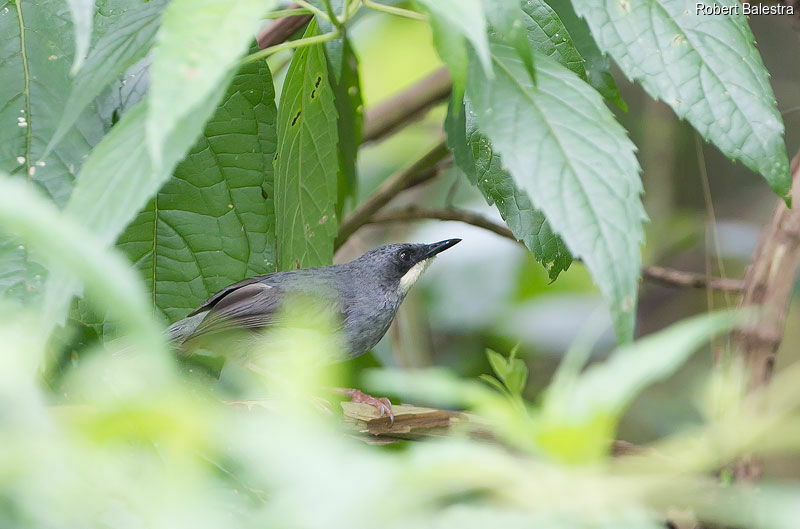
299 43
397 11
389 189
314 9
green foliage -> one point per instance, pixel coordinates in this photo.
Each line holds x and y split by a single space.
204 179
576 163
707 69
196 51
511 372
454 23
597 67
306 166
474 155
213 222
126 41
546 34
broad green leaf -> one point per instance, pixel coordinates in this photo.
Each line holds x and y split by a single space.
37 55
69 247
562 145
196 48
547 35
474 155
213 222
579 419
454 22
705 67
350 109
307 162
82 12
125 42
596 64
506 20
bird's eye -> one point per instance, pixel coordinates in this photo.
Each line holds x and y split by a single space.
404 256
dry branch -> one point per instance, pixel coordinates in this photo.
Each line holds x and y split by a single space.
658 274
406 106
769 282
281 29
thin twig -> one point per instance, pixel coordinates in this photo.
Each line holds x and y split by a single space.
397 11
307 41
658 274
406 106
411 175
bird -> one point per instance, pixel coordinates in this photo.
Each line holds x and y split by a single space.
365 293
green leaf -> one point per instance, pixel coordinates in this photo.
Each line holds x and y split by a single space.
705 67
197 46
213 222
474 155
349 107
454 22
126 41
596 64
70 248
307 162
496 384
36 47
547 35
562 145
505 18
517 376
499 364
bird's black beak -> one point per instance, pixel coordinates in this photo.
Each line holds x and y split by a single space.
439 247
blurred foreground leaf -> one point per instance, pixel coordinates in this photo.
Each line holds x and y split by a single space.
196 49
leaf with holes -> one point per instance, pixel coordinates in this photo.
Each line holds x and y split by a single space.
705 67
562 145
196 47
474 155
307 162
349 107
596 66
212 223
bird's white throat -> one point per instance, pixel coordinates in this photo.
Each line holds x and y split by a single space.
410 277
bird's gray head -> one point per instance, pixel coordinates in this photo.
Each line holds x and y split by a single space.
402 264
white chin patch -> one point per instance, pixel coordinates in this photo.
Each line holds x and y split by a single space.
410 277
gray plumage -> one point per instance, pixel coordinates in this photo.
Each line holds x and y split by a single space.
365 293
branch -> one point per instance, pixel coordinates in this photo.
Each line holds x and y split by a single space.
283 28
406 106
769 282
419 171
666 276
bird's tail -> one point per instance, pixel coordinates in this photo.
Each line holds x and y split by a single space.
182 330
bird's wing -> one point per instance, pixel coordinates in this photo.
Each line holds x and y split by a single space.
255 305
213 300
250 305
